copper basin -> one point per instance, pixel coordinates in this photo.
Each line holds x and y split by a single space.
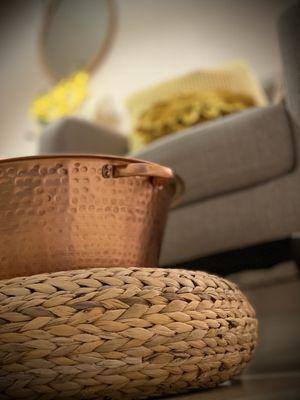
70 212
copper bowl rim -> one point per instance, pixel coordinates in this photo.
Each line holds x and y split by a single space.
179 186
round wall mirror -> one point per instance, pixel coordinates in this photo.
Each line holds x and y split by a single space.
76 35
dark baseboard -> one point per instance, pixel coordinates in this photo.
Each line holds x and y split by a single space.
249 258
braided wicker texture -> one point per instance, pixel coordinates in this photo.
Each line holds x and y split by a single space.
121 333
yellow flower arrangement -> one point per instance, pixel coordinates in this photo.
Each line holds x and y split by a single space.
64 99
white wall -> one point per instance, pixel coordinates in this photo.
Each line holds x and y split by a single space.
155 40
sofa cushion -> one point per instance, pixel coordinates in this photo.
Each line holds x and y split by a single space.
256 215
232 153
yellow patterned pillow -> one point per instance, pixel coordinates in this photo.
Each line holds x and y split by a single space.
187 109
190 99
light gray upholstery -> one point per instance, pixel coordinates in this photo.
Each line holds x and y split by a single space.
289 39
229 154
74 135
255 215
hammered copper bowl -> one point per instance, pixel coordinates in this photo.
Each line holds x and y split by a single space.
70 212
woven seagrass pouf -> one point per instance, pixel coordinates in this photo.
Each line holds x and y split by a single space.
121 333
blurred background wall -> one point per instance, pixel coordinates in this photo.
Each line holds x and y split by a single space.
155 40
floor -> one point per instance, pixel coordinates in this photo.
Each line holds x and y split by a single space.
259 387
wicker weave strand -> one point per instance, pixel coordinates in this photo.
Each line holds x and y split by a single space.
121 333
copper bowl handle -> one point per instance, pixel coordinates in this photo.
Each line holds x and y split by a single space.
145 169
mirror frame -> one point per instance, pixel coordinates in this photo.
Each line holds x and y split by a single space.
97 59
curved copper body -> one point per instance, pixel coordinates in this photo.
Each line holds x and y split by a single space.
69 212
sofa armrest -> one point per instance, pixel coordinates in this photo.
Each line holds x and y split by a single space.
232 153
289 39
74 135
